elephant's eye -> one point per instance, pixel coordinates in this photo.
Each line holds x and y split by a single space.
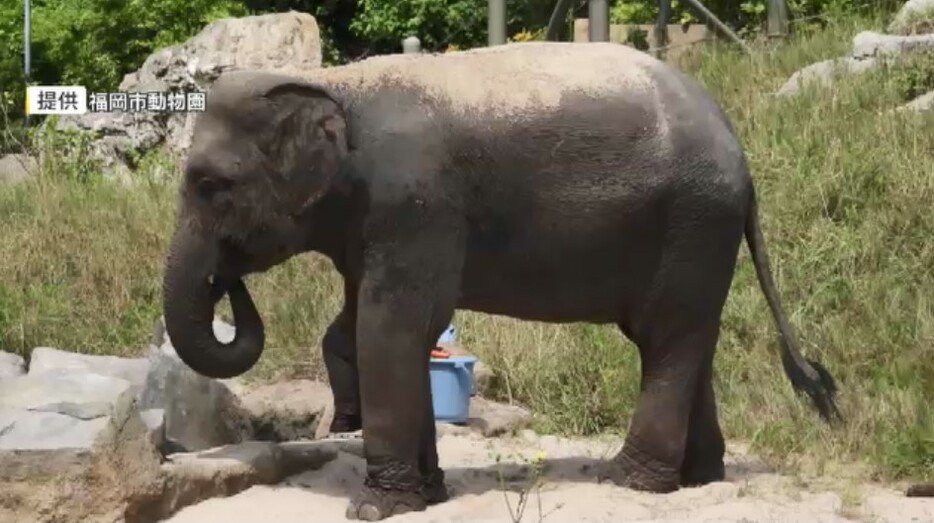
208 186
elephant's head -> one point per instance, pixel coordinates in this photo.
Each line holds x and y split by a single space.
266 148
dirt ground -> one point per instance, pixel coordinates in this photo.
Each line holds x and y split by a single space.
569 491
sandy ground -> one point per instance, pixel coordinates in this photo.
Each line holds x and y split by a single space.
568 492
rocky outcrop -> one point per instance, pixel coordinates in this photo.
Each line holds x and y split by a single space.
915 17
870 44
283 42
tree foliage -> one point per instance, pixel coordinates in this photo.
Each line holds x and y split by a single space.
95 42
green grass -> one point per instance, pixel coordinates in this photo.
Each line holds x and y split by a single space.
845 187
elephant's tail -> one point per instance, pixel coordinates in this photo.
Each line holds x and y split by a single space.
806 376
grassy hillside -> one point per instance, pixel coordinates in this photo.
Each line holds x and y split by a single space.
845 191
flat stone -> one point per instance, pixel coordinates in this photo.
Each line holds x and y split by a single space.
11 365
81 395
31 430
494 419
46 359
872 44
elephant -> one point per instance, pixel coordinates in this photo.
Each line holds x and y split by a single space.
542 181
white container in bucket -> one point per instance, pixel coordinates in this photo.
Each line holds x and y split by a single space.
451 387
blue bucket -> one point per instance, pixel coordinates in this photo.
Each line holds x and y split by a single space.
451 387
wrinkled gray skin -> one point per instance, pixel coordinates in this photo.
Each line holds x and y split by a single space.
595 185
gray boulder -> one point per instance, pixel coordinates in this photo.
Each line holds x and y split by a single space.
11 365
200 412
44 360
916 16
284 42
15 168
872 44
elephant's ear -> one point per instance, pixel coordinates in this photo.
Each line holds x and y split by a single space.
308 140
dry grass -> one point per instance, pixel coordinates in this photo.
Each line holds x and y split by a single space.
846 188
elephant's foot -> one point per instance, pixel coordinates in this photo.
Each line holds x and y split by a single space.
696 473
345 423
373 503
635 469
434 490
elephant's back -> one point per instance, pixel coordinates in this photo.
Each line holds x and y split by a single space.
507 80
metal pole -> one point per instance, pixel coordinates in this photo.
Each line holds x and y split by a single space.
496 22
717 23
599 23
778 18
661 26
26 50
558 18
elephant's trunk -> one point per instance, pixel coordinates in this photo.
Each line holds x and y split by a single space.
188 306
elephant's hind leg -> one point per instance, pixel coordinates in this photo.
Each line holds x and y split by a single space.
676 330
340 358
704 449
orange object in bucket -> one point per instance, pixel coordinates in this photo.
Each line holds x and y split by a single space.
440 353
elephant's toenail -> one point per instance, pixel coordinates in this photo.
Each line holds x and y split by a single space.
369 512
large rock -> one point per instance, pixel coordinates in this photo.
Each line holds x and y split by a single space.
57 468
11 365
871 44
285 42
15 168
200 412
287 410
44 360
916 16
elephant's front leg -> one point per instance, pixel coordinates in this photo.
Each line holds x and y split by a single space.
407 297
